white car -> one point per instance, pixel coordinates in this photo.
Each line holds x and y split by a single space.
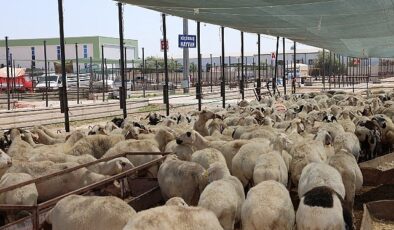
53 80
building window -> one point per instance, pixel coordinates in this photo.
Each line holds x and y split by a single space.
58 52
85 51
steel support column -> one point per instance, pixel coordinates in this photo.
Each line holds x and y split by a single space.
63 62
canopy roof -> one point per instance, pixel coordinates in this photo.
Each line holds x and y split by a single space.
358 28
19 72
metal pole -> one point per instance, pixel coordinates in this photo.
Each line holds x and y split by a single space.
166 65
91 75
259 66
223 88
211 72
125 69
324 70
46 74
198 85
229 71
242 67
276 66
353 74
102 70
294 68
76 60
122 58
106 73
186 59
143 73
284 67
8 72
329 71
132 63
12 76
63 61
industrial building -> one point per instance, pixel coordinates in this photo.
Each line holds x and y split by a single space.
28 53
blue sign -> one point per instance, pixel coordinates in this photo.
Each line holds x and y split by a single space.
187 41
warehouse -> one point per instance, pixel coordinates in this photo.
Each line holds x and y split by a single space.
28 53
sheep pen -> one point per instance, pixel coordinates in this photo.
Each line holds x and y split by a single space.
255 153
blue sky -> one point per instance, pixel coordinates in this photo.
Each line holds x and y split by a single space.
39 18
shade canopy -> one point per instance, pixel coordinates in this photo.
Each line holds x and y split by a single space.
357 28
19 72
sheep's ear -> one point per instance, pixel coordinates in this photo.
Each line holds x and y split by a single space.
333 118
148 116
325 118
328 139
90 127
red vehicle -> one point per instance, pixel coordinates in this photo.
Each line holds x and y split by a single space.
19 81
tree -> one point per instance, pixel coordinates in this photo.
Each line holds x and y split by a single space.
321 65
150 64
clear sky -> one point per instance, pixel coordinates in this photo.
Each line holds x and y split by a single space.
39 19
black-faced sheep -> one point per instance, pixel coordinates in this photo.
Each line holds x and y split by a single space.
320 174
321 208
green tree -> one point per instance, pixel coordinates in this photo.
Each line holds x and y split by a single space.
321 65
150 64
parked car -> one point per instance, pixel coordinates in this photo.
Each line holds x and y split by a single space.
54 82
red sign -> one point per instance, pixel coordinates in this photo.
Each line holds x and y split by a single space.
356 61
273 55
162 45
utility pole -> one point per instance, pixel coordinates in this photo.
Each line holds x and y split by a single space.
185 59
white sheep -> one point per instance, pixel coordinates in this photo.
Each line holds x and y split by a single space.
161 138
200 125
181 179
320 174
26 195
5 162
307 151
244 161
174 218
270 166
195 139
183 152
137 160
59 185
223 196
268 207
230 149
110 167
19 149
96 145
321 208
90 212
176 201
346 122
44 138
348 141
206 157
352 178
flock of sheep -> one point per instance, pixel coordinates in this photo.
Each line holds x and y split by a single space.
229 169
